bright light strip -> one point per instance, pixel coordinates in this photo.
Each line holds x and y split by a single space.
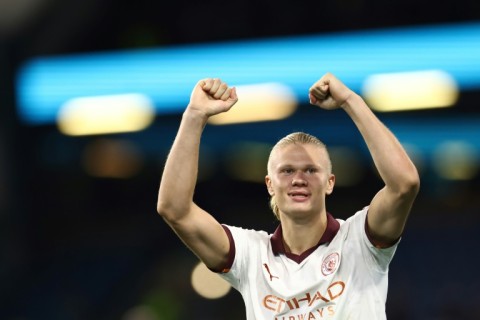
260 102
105 114
167 75
410 90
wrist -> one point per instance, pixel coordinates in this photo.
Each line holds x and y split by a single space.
352 102
194 116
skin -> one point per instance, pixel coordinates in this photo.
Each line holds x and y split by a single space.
196 228
300 189
390 207
300 179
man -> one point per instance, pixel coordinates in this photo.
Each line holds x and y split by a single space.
314 266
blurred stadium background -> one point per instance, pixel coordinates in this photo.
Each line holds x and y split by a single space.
79 234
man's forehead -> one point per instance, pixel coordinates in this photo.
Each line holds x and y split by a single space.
293 153
299 149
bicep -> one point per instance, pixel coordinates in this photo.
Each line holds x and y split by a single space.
204 236
387 215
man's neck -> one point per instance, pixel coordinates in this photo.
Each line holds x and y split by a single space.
299 236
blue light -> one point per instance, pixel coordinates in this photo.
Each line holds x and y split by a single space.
167 75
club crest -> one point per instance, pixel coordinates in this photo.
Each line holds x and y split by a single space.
330 263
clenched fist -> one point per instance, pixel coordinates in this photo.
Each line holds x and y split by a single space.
212 96
329 93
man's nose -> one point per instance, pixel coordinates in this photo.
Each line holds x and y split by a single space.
299 179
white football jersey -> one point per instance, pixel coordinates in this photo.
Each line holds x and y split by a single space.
344 277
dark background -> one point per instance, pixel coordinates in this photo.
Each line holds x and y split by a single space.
73 246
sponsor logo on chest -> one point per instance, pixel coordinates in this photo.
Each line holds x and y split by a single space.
313 300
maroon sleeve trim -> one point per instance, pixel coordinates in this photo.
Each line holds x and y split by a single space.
376 243
231 251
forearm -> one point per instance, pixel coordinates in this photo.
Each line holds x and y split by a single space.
180 172
392 162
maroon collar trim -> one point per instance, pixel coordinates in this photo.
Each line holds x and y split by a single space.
277 240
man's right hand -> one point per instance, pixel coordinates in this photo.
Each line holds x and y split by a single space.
211 97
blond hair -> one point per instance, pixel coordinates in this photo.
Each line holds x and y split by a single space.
295 138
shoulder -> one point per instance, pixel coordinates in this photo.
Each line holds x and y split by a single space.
239 233
357 220
247 246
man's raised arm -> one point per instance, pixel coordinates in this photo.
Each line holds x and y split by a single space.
389 209
197 229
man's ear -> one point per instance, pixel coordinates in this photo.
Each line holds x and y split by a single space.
268 182
330 184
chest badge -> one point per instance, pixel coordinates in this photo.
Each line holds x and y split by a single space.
330 263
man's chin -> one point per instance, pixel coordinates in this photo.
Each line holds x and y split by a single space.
299 211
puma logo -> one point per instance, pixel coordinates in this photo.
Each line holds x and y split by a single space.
269 273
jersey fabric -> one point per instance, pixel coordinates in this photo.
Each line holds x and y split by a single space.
344 277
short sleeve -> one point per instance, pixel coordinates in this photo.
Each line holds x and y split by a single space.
247 244
377 259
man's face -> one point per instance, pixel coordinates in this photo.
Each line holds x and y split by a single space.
299 177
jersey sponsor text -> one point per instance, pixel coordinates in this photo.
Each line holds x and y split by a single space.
278 304
312 315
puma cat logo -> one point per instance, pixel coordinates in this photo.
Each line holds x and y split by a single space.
269 273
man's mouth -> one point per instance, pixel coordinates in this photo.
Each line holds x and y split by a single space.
299 195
